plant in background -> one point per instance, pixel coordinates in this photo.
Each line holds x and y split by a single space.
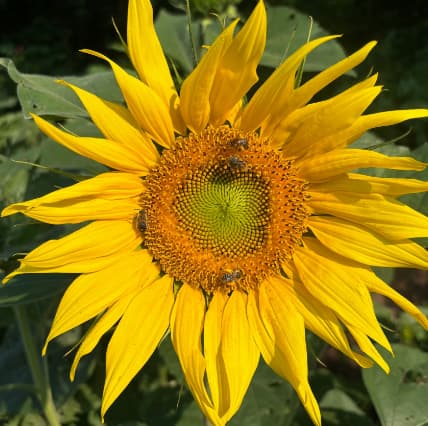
229 227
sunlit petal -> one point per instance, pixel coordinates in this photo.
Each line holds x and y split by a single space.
137 335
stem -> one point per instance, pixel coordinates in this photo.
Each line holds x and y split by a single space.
192 40
38 368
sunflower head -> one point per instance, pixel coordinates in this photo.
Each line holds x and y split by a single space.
223 210
232 225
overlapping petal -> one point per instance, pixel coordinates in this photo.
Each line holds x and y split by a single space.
144 103
102 325
367 247
117 124
108 196
236 71
111 153
271 99
148 58
305 126
336 281
363 184
89 249
196 89
238 355
137 335
385 215
90 294
187 321
361 125
318 318
279 332
334 163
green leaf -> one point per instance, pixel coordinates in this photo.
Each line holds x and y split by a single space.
28 288
42 95
173 33
400 397
288 30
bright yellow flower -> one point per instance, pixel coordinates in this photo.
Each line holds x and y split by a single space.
252 213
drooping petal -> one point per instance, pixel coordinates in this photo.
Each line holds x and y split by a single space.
318 318
107 196
376 285
364 246
196 89
187 320
367 347
136 337
238 355
236 72
279 332
334 163
117 124
385 215
270 100
212 339
337 282
102 325
359 183
148 58
89 249
146 106
112 154
90 294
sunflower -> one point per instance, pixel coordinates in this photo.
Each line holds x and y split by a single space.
230 226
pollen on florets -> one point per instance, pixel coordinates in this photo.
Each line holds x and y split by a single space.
223 210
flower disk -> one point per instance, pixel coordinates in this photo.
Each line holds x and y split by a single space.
222 210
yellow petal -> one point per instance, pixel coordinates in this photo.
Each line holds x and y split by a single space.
364 246
146 106
334 163
355 182
117 124
239 355
187 320
337 282
111 153
148 59
319 318
376 285
196 88
212 338
89 249
304 93
361 125
279 332
367 347
107 196
236 72
90 294
102 325
386 216
310 124
270 102
136 337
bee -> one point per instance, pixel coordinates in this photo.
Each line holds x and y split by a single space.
236 163
241 143
231 276
141 221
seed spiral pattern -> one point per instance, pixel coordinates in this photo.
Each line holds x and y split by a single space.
223 210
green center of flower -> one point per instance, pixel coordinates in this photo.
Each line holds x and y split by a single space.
222 210
225 209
